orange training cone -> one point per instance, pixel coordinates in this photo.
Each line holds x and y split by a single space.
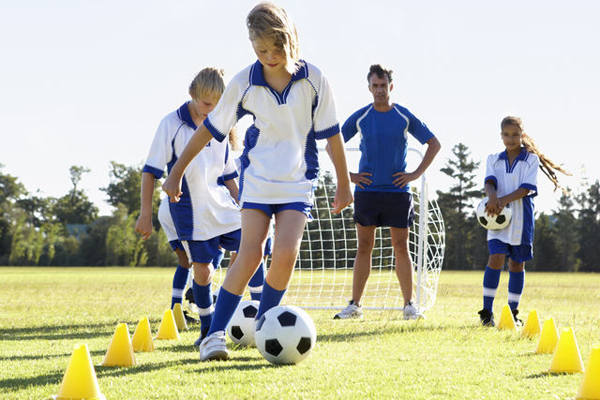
168 328
532 325
506 319
80 380
120 351
566 356
179 317
590 387
142 337
548 337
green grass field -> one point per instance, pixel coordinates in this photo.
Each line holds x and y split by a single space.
46 311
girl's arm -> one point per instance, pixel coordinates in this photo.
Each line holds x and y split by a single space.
233 188
143 224
343 194
172 185
516 195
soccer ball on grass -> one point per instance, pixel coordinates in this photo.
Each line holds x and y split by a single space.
241 327
285 335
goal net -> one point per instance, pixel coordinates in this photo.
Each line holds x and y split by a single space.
322 275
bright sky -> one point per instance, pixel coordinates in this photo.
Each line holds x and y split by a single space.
86 83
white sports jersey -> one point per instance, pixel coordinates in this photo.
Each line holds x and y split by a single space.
205 210
507 178
166 221
280 159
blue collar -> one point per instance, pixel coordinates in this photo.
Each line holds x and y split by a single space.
522 155
184 114
257 77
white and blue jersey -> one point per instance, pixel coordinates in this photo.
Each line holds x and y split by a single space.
205 210
508 178
279 163
384 143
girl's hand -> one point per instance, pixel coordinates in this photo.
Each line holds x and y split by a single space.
361 179
143 226
343 198
493 206
172 187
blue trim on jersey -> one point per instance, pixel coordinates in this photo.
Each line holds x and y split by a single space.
182 213
493 179
154 171
214 131
528 221
257 78
523 155
531 187
250 140
184 114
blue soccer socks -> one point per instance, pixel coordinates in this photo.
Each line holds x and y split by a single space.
270 298
255 286
491 280
516 283
179 281
203 300
226 304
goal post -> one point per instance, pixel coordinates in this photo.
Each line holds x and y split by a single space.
323 272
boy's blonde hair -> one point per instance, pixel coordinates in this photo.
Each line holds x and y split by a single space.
208 83
270 21
547 166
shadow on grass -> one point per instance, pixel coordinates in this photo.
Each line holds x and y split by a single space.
389 329
58 332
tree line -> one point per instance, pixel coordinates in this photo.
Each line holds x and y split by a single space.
67 231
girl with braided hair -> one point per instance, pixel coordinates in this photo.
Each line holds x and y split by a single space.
511 180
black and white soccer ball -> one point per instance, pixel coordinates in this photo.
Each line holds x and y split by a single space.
241 327
495 222
285 335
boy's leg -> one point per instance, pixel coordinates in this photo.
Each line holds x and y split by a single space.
289 226
203 294
180 277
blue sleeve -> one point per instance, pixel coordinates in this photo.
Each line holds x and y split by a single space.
349 129
418 129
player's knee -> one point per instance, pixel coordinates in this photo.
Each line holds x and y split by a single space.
203 273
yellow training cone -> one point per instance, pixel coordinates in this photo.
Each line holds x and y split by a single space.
506 319
179 317
548 337
532 325
120 351
168 328
566 356
590 387
142 337
80 380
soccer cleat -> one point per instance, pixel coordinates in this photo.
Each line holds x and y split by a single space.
487 317
518 322
203 334
213 347
352 310
411 312
189 295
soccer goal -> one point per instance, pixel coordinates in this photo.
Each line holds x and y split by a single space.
323 273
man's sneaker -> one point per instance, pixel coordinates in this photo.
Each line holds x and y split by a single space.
189 319
352 310
411 312
518 322
213 347
203 334
487 317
